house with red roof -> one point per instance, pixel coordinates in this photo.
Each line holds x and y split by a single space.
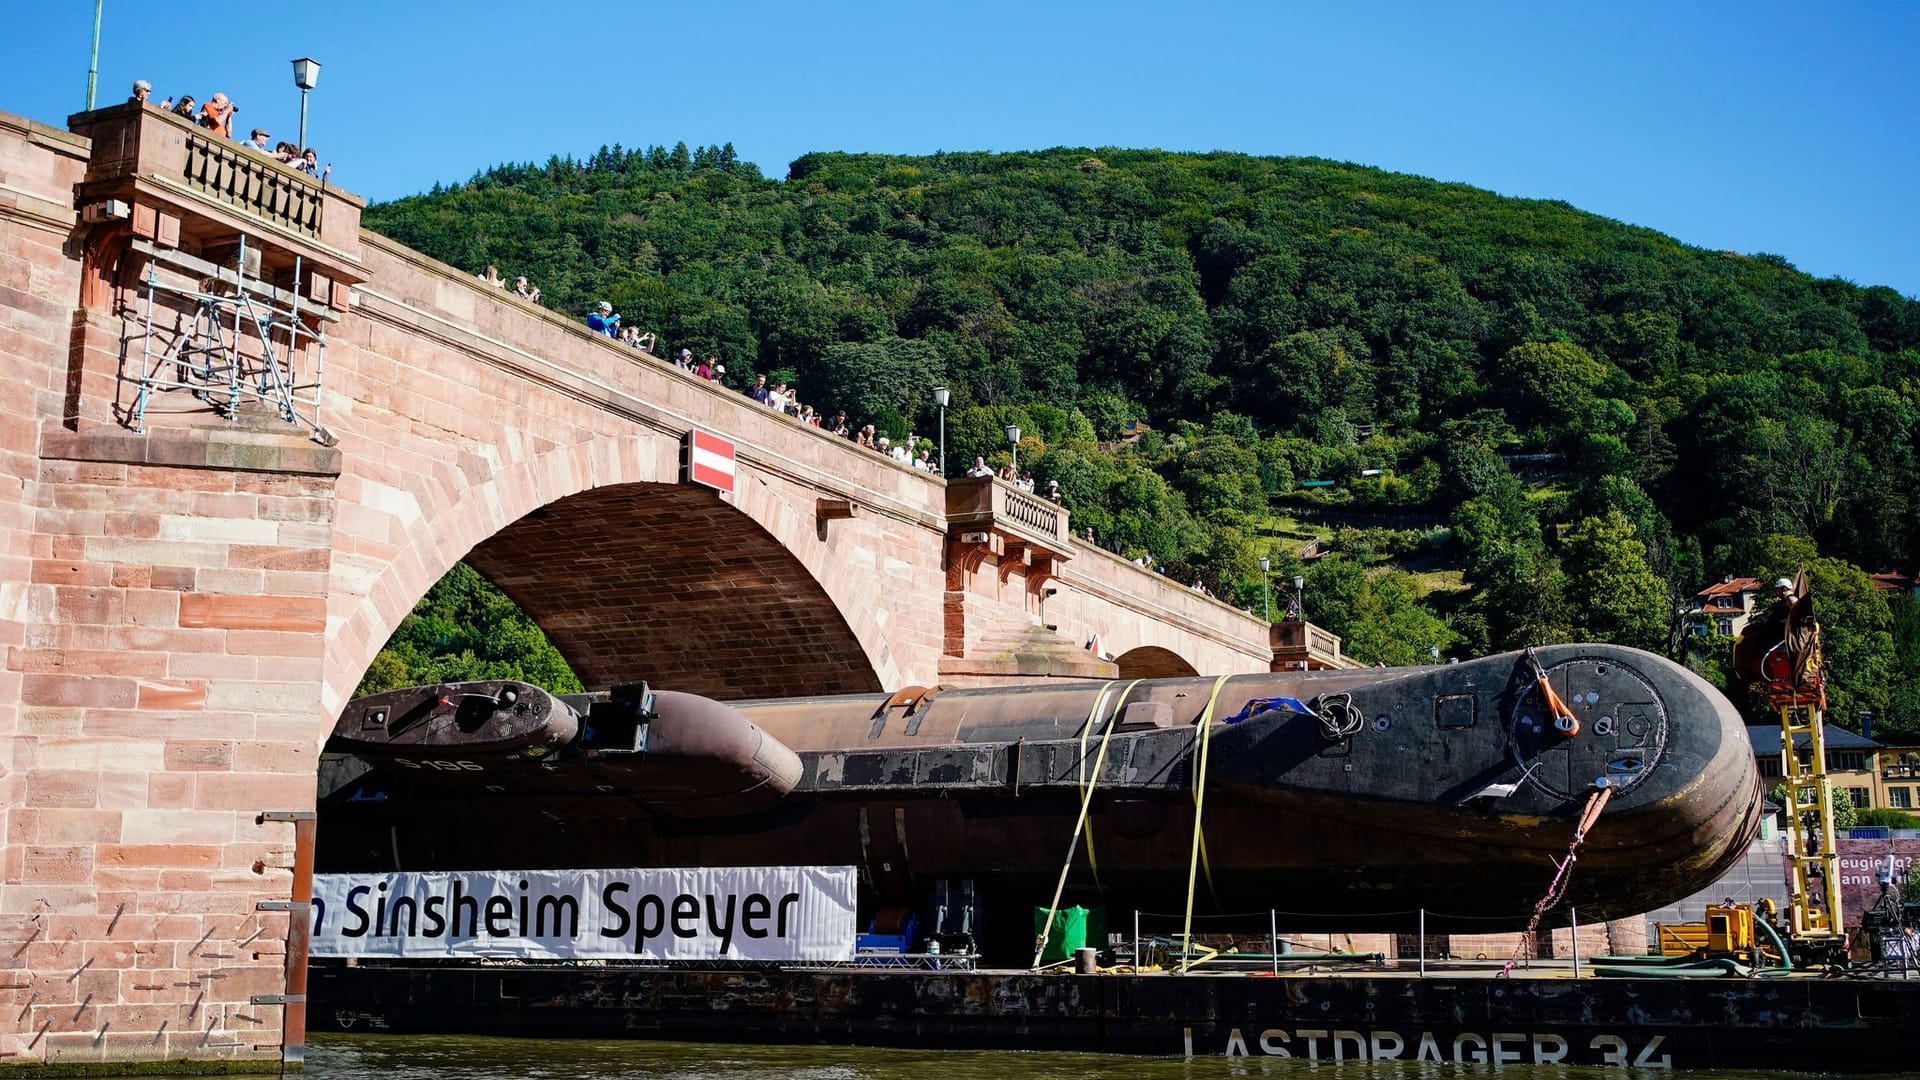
1725 607
1895 581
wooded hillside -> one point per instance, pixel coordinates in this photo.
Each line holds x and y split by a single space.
1539 424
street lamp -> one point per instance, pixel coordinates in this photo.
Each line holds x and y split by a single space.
1300 595
941 395
1013 438
306 75
1266 590
1434 652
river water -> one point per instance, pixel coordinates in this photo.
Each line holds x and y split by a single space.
389 1057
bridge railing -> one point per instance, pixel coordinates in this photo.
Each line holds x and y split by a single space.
985 503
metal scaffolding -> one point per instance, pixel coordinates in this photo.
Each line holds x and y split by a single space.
241 342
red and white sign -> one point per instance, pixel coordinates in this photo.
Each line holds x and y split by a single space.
709 460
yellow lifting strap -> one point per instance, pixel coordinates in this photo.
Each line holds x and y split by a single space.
1086 804
1088 780
1202 735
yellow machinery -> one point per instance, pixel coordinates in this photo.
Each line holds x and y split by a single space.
1731 931
1782 653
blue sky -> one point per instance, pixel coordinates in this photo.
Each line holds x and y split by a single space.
1759 126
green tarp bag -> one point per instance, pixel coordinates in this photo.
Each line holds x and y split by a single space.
1073 928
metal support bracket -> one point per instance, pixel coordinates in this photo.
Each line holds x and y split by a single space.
276 999
283 905
284 815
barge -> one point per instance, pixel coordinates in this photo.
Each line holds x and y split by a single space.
1366 799
1806 1023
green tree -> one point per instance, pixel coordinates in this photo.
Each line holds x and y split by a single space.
892 375
1217 472
466 629
1517 583
1615 595
1110 414
1393 626
1553 382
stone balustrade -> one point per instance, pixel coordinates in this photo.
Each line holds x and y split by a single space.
1302 645
254 184
988 504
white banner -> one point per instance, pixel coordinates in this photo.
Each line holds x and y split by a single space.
736 913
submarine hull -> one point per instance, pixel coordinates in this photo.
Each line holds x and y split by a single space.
1351 799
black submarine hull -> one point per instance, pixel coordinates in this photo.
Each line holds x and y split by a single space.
1345 800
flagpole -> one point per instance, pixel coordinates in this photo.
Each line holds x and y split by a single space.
93 66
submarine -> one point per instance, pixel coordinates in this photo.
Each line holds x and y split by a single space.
1344 799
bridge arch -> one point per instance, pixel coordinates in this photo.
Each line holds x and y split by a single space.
1152 662
604 522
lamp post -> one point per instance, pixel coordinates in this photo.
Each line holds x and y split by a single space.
1013 438
1300 595
1266 589
941 395
306 74
1434 652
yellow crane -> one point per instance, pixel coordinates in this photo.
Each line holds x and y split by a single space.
1813 883
1782 652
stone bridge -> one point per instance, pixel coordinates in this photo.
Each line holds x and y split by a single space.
197 567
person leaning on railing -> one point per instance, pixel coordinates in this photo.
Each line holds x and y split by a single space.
309 163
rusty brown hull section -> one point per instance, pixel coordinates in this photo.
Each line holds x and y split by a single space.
1350 798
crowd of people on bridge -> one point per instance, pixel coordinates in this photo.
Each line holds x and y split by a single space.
217 116
521 288
1023 479
776 395
780 397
